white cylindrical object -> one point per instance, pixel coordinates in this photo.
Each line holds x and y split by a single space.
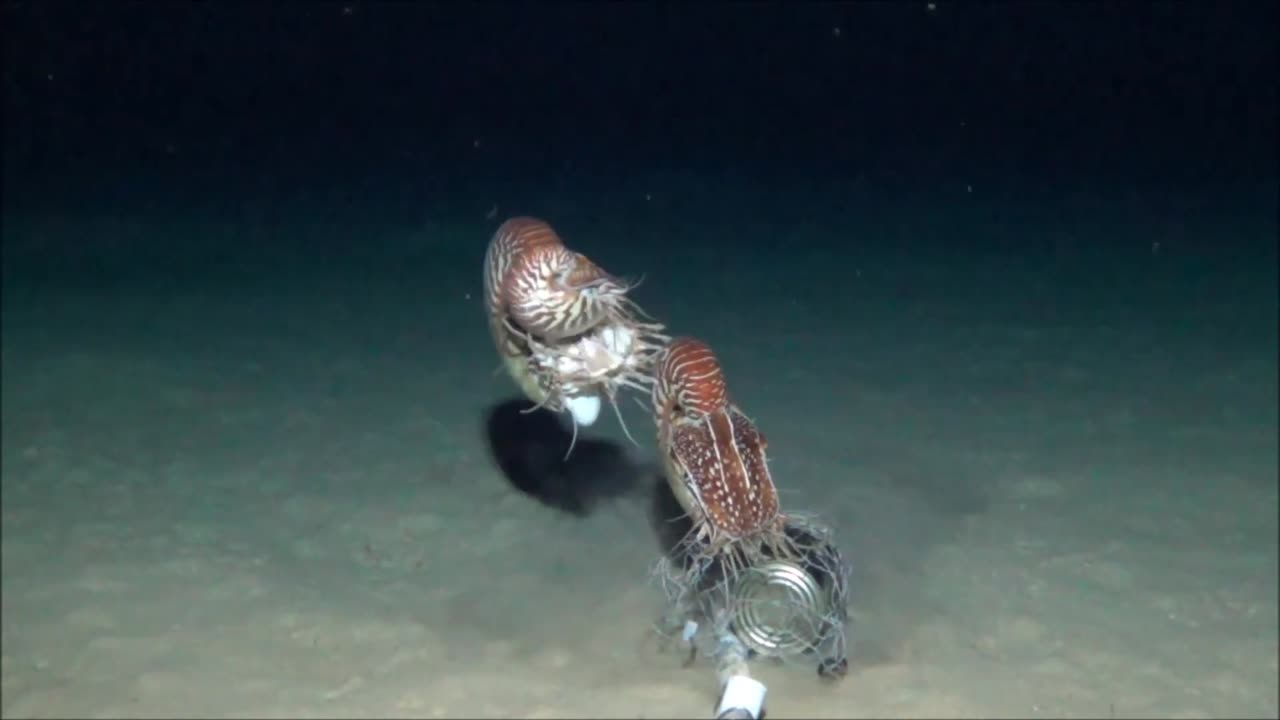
742 699
690 631
585 409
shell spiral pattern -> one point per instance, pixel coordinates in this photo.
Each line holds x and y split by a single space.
547 289
564 326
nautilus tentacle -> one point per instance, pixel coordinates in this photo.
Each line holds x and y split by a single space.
565 328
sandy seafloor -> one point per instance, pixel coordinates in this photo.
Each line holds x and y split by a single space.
264 490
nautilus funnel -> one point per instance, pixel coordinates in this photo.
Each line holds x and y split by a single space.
752 575
568 332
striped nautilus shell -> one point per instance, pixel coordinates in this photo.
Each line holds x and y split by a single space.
713 454
564 327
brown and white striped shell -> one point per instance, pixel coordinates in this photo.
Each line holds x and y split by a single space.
713 453
562 324
545 288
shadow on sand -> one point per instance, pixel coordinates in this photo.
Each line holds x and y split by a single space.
530 449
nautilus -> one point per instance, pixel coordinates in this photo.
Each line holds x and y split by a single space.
568 332
571 336
713 453
773 582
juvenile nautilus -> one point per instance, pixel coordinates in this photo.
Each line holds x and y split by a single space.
771 580
567 331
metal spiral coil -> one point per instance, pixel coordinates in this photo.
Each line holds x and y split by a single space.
780 608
